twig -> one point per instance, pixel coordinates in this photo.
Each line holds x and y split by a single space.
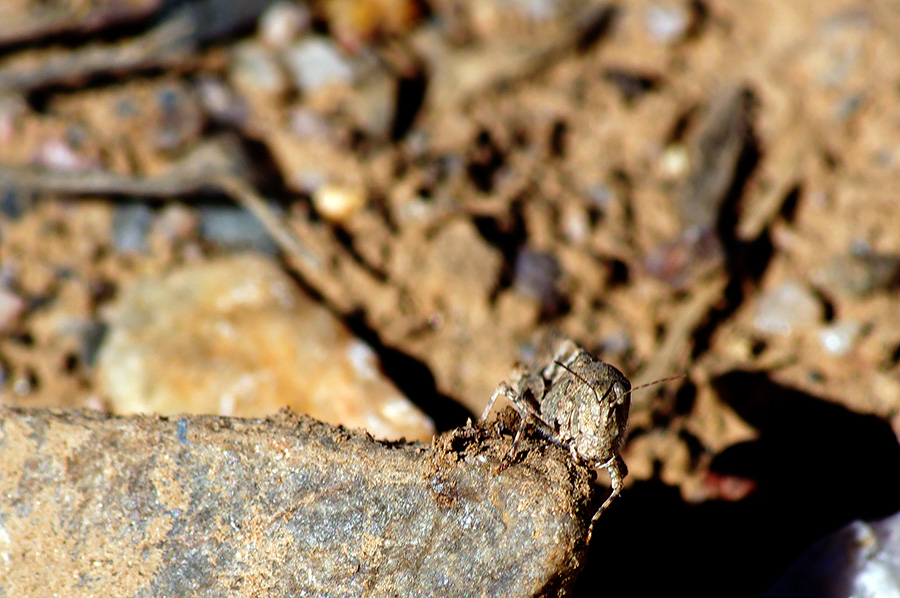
187 180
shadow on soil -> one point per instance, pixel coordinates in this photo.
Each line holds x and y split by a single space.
817 466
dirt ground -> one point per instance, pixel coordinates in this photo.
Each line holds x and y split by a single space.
704 188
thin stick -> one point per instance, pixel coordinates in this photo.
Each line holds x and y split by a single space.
183 183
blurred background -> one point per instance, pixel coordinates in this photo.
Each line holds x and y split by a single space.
364 209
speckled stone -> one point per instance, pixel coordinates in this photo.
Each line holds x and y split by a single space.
234 336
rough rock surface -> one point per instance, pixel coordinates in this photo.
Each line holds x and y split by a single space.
95 505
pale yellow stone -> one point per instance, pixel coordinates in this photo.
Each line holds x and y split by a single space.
234 336
338 202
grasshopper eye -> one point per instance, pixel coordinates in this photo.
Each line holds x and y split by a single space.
620 393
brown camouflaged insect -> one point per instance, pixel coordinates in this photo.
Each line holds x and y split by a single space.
577 401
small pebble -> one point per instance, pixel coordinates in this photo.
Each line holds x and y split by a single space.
666 23
177 224
840 338
338 202
90 336
540 10
23 386
674 161
15 202
131 224
601 196
489 13
536 275
255 67
59 155
316 61
787 308
282 22
860 273
11 307
575 224
306 123
220 103
231 227
178 118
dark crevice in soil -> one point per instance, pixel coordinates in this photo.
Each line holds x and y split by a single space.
347 242
72 40
699 19
40 99
266 176
685 397
508 235
791 202
681 125
484 160
596 26
632 85
559 134
619 274
410 96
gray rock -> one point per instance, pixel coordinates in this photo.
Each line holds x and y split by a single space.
209 506
131 225
232 227
234 336
861 560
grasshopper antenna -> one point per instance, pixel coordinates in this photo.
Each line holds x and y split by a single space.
655 382
599 398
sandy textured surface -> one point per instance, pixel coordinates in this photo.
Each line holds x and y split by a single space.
209 506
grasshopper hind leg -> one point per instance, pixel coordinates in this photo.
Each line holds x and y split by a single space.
617 472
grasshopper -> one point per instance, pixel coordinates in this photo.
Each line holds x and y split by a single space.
576 401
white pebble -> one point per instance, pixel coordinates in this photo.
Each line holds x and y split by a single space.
316 61
338 202
674 161
282 22
575 224
666 23
787 308
840 338
59 155
254 67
